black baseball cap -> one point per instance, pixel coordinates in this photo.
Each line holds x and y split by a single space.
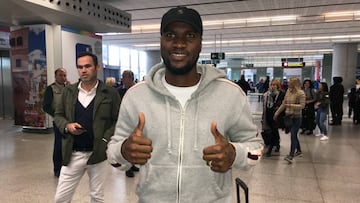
182 14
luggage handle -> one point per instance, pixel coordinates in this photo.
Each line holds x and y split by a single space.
242 184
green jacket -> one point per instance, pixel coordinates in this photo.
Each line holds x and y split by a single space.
52 97
106 109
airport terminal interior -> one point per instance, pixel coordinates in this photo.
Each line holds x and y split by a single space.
327 172
308 39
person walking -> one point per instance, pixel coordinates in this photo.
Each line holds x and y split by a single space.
293 104
52 98
86 117
322 109
186 140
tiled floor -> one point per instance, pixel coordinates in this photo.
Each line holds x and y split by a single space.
329 171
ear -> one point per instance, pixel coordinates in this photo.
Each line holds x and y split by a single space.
98 68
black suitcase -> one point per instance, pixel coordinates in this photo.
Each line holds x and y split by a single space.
242 184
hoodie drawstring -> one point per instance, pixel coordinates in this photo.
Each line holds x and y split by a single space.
195 125
168 125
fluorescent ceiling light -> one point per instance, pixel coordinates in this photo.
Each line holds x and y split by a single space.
276 52
341 16
344 38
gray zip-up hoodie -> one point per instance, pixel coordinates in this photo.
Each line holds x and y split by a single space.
176 171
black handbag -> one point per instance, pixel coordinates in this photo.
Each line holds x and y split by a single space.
288 122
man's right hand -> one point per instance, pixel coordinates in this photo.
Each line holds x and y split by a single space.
137 149
75 128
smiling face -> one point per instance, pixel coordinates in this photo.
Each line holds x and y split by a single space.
180 48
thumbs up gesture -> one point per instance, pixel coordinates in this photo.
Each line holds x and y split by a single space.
137 149
221 155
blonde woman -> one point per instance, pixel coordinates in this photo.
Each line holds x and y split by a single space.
272 100
293 104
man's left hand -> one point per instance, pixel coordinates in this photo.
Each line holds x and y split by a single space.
220 156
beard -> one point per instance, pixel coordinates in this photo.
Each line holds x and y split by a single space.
179 71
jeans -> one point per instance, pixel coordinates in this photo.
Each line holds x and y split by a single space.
321 115
295 144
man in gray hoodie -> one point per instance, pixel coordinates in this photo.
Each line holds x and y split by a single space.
186 125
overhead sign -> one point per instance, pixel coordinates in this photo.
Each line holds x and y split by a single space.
218 55
292 62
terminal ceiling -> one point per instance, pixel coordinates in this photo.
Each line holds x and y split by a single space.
239 28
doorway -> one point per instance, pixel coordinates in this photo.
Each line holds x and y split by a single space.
6 93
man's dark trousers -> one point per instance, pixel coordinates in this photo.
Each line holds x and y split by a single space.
57 155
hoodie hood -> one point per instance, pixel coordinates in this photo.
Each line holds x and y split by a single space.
208 74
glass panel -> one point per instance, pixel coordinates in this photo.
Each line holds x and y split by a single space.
114 59
105 54
135 63
124 59
142 65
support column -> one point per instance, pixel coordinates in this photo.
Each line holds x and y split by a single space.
344 63
260 73
278 73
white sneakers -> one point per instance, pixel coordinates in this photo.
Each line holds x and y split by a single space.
323 138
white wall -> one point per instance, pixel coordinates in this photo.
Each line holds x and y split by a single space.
69 40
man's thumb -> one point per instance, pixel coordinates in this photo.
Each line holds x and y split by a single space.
215 132
141 124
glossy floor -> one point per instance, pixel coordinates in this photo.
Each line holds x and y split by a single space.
329 171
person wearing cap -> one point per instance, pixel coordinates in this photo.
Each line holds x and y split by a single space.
194 128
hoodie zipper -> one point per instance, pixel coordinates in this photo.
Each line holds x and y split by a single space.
181 145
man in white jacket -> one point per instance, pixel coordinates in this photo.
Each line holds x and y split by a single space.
185 125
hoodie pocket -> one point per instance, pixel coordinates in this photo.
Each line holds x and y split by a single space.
157 183
202 181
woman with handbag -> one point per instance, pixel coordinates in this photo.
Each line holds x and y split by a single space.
293 104
272 100
308 113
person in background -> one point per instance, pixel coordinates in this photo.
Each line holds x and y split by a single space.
86 117
52 98
110 81
186 140
266 83
293 104
243 84
351 101
308 113
272 100
260 89
128 81
336 100
322 109
356 118
284 85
